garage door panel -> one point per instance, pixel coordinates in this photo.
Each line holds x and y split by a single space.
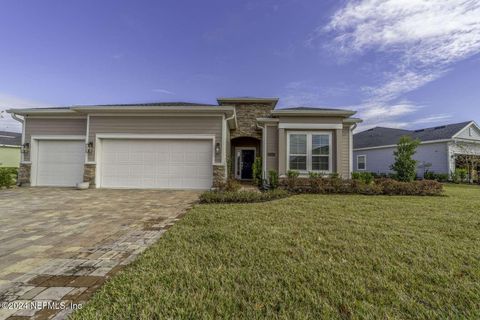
59 162
176 164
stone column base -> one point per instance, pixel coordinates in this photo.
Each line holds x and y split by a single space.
219 175
24 171
89 173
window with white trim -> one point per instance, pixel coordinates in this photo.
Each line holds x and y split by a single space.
362 162
310 151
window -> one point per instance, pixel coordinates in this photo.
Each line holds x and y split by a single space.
298 152
470 131
362 162
320 152
309 151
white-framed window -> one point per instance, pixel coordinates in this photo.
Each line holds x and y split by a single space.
309 151
362 162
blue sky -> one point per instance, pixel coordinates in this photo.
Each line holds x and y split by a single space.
401 63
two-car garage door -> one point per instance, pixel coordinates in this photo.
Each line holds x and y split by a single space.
167 163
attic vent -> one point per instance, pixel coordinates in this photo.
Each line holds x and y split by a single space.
419 130
370 129
441 127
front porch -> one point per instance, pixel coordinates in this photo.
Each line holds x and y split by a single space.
244 151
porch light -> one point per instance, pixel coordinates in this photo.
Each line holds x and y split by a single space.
26 147
89 147
217 148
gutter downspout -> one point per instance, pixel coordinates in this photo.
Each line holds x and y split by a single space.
22 121
224 138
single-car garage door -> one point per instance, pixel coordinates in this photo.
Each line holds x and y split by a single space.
60 162
170 164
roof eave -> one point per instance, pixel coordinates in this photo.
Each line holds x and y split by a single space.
52 111
160 109
10 145
272 100
340 113
352 120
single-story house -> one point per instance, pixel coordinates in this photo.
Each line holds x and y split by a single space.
441 148
180 145
10 149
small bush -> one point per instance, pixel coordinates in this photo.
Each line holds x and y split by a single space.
273 179
414 188
292 177
365 177
462 174
7 177
430 175
241 196
257 172
230 185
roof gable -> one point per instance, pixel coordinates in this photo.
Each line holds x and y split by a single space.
470 132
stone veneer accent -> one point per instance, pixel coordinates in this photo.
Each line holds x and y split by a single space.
218 175
246 119
89 173
24 174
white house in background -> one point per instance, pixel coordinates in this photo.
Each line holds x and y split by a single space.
438 150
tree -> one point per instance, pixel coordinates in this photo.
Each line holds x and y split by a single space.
405 166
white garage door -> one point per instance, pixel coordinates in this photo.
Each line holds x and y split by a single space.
173 164
60 162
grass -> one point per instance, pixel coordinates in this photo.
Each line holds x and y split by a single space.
309 256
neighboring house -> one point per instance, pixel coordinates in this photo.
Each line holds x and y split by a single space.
10 149
439 151
180 145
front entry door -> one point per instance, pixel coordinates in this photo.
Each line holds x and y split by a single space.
244 164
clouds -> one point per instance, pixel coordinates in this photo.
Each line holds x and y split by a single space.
423 39
426 31
164 91
306 93
8 101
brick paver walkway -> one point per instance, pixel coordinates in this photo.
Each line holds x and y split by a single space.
57 246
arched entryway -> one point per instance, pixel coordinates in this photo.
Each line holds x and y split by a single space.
244 150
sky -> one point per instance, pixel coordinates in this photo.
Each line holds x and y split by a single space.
399 63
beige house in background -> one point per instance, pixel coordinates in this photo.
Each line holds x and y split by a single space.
180 145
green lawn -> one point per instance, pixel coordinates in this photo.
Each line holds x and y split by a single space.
309 256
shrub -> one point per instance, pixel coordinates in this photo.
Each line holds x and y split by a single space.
405 166
365 177
273 179
316 182
292 177
462 174
230 185
360 187
430 175
257 171
7 177
241 196
326 185
413 188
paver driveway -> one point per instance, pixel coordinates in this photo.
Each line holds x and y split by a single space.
61 244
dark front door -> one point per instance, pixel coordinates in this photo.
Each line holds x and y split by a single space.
247 159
